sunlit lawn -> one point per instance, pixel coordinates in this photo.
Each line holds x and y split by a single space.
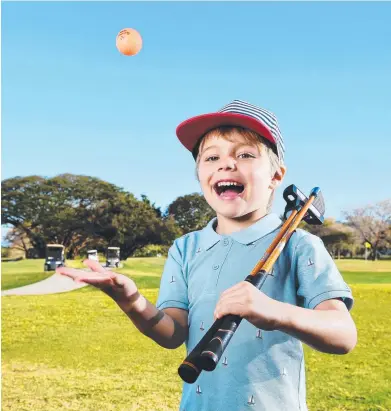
78 351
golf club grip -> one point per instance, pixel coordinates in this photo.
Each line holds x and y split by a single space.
212 352
191 368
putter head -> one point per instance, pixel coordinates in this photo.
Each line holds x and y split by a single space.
295 199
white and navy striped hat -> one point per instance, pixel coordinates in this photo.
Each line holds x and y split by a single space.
238 113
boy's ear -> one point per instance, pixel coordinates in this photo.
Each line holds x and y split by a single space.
196 174
278 177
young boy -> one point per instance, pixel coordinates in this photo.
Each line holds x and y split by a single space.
239 155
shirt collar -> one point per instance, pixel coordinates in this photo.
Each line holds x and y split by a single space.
246 236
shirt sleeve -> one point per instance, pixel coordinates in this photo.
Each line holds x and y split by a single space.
318 278
173 284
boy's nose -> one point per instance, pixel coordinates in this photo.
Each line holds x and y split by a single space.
227 163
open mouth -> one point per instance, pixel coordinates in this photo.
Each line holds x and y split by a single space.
228 189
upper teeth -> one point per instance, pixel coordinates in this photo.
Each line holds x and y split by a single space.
227 183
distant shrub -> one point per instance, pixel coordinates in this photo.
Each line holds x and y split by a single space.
9 260
5 252
152 250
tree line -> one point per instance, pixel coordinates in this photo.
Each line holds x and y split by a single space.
83 212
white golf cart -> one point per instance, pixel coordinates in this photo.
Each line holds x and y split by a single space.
112 257
93 255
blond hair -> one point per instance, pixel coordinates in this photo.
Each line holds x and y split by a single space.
250 137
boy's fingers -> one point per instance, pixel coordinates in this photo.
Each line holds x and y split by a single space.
231 294
95 266
234 288
231 306
231 303
69 272
79 274
97 280
118 281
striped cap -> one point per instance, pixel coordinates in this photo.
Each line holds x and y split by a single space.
238 113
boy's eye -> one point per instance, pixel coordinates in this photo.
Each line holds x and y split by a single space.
211 158
246 155
242 155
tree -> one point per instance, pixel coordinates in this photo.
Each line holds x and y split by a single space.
81 212
18 240
78 212
336 237
373 222
170 230
133 224
54 210
21 207
191 212
146 200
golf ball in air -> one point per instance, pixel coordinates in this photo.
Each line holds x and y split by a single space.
129 42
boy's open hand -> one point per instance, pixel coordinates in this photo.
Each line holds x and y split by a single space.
248 302
120 288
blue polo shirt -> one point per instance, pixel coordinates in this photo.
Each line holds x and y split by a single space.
260 370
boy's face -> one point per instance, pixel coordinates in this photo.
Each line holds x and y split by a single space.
249 170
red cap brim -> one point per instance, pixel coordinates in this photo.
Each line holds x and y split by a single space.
189 131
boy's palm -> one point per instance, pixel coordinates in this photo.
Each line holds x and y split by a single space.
121 288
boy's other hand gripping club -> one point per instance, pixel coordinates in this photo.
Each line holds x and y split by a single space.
248 302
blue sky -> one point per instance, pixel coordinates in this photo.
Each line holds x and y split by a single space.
72 103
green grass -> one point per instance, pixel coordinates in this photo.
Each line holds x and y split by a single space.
365 272
359 380
145 271
363 277
362 265
20 273
78 351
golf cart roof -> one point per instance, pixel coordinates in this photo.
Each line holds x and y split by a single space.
113 248
55 245
92 251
